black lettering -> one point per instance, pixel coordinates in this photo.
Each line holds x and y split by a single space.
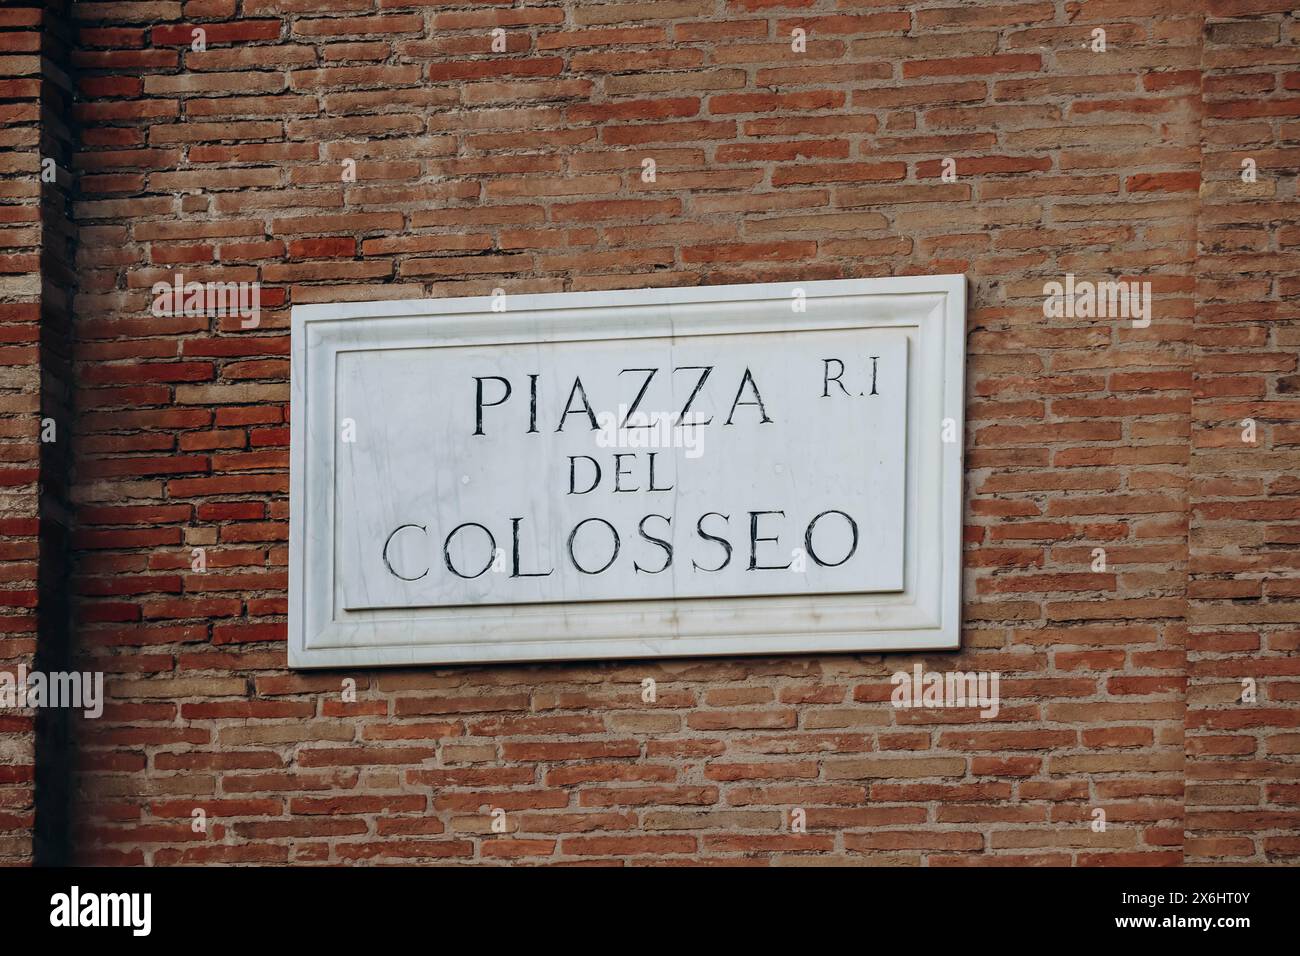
668 548
479 404
827 377
652 475
574 533
636 403
388 564
446 550
532 404
570 410
699 528
572 479
705 369
754 539
618 469
759 400
516 573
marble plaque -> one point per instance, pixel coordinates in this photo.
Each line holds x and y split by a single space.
718 470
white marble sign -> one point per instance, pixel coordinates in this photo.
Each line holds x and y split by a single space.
717 470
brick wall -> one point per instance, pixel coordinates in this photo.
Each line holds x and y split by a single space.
1243 776
37 276
522 169
20 405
